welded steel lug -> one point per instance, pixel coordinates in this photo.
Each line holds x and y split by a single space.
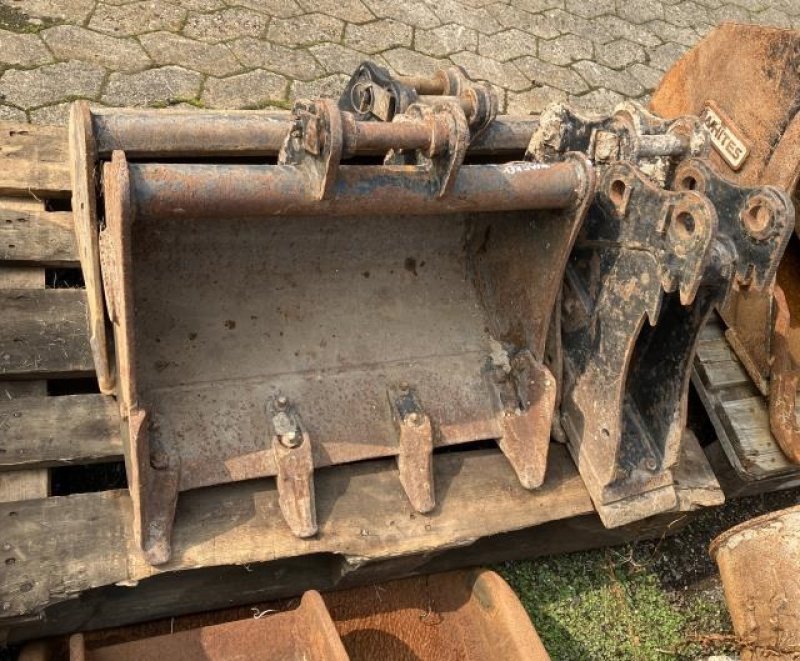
373 93
415 447
630 133
294 462
645 273
757 220
443 158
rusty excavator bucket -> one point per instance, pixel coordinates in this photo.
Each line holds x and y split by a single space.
744 83
401 272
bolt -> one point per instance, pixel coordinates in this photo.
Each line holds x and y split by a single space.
414 418
6 605
404 386
159 460
650 464
291 440
282 403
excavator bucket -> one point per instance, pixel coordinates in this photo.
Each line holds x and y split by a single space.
743 81
368 294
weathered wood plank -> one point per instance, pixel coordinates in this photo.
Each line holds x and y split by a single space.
723 374
29 233
65 545
51 431
714 351
33 160
43 333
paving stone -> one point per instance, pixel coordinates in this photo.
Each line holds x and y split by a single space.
663 57
686 15
619 54
329 87
335 58
616 28
51 83
751 5
168 48
600 100
730 13
544 73
538 6
70 42
567 23
161 86
640 11
669 32
55 115
591 9
646 75
72 11
599 76
452 11
137 18
279 8
202 5
507 45
445 39
533 101
774 17
305 30
504 74
411 12
22 50
253 89
378 36
294 63
565 50
226 24
538 25
9 114
352 11
410 63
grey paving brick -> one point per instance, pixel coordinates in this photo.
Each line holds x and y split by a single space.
378 35
538 6
452 11
410 63
544 73
730 12
507 45
23 50
600 100
591 9
640 11
352 11
669 32
663 57
686 14
72 11
202 5
328 87
57 114
646 75
225 25
168 48
279 8
534 101
412 12
538 25
253 89
305 30
70 42
619 54
774 17
616 28
504 74
293 63
598 75
9 114
445 40
161 86
751 5
568 23
137 18
51 83
565 50
335 58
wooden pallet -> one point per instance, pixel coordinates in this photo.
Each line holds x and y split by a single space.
740 417
61 556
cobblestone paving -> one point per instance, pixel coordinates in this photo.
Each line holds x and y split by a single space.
260 53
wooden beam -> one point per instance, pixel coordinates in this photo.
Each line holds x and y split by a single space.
34 160
52 431
30 234
43 333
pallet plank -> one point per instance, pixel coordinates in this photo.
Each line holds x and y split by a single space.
43 333
34 160
52 431
29 233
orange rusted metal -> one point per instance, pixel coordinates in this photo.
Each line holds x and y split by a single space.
758 563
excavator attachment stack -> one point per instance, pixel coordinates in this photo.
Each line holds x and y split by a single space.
403 273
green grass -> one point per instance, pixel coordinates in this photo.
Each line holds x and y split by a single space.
611 604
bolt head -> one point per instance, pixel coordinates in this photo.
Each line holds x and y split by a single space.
650 464
291 440
282 402
404 386
414 418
